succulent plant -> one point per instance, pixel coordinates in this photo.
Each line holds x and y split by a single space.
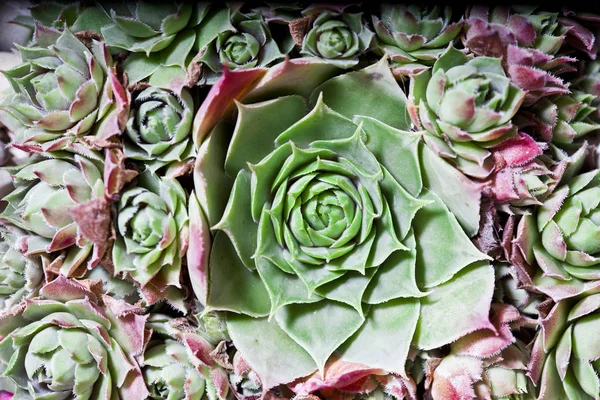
562 119
71 342
144 26
158 37
536 73
159 129
487 364
501 377
564 357
523 175
413 35
168 366
491 30
561 238
306 206
228 38
152 237
64 91
466 106
507 291
339 38
589 82
59 205
20 277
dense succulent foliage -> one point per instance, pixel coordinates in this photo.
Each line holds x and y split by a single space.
300 201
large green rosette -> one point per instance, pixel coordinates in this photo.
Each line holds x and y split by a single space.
324 241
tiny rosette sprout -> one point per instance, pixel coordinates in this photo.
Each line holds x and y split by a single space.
63 91
59 205
414 36
228 38
144 26
20 277
316 200
159 128
486 364
502 377
338 38
152 236
564 358
168 365
562 238
562 119
466 106
507 291
589 83
70 343
525 176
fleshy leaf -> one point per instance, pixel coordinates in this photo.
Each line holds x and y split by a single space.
456 308
233 287
436 261
270 352
390 325
372 92
320 328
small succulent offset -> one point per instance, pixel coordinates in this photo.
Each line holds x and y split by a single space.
64 92
562 119
314 250
414 36
152 237
466 106
487 364
564 360
228 38
170 369
71 341
51 204
339 38
159 128
20 277
562 238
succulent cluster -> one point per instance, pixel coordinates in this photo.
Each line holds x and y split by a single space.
284 201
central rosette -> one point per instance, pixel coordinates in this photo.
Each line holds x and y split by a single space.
317 213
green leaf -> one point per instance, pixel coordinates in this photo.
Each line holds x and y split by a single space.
385 337
461 195
395 278
396 150
138 66
456 308
372 92
257 127
348 289
293 76
237 220
586 345
232 286
214 22
402 205
442 247
322 123
320 328
283 288
271 353
211 183
91 19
